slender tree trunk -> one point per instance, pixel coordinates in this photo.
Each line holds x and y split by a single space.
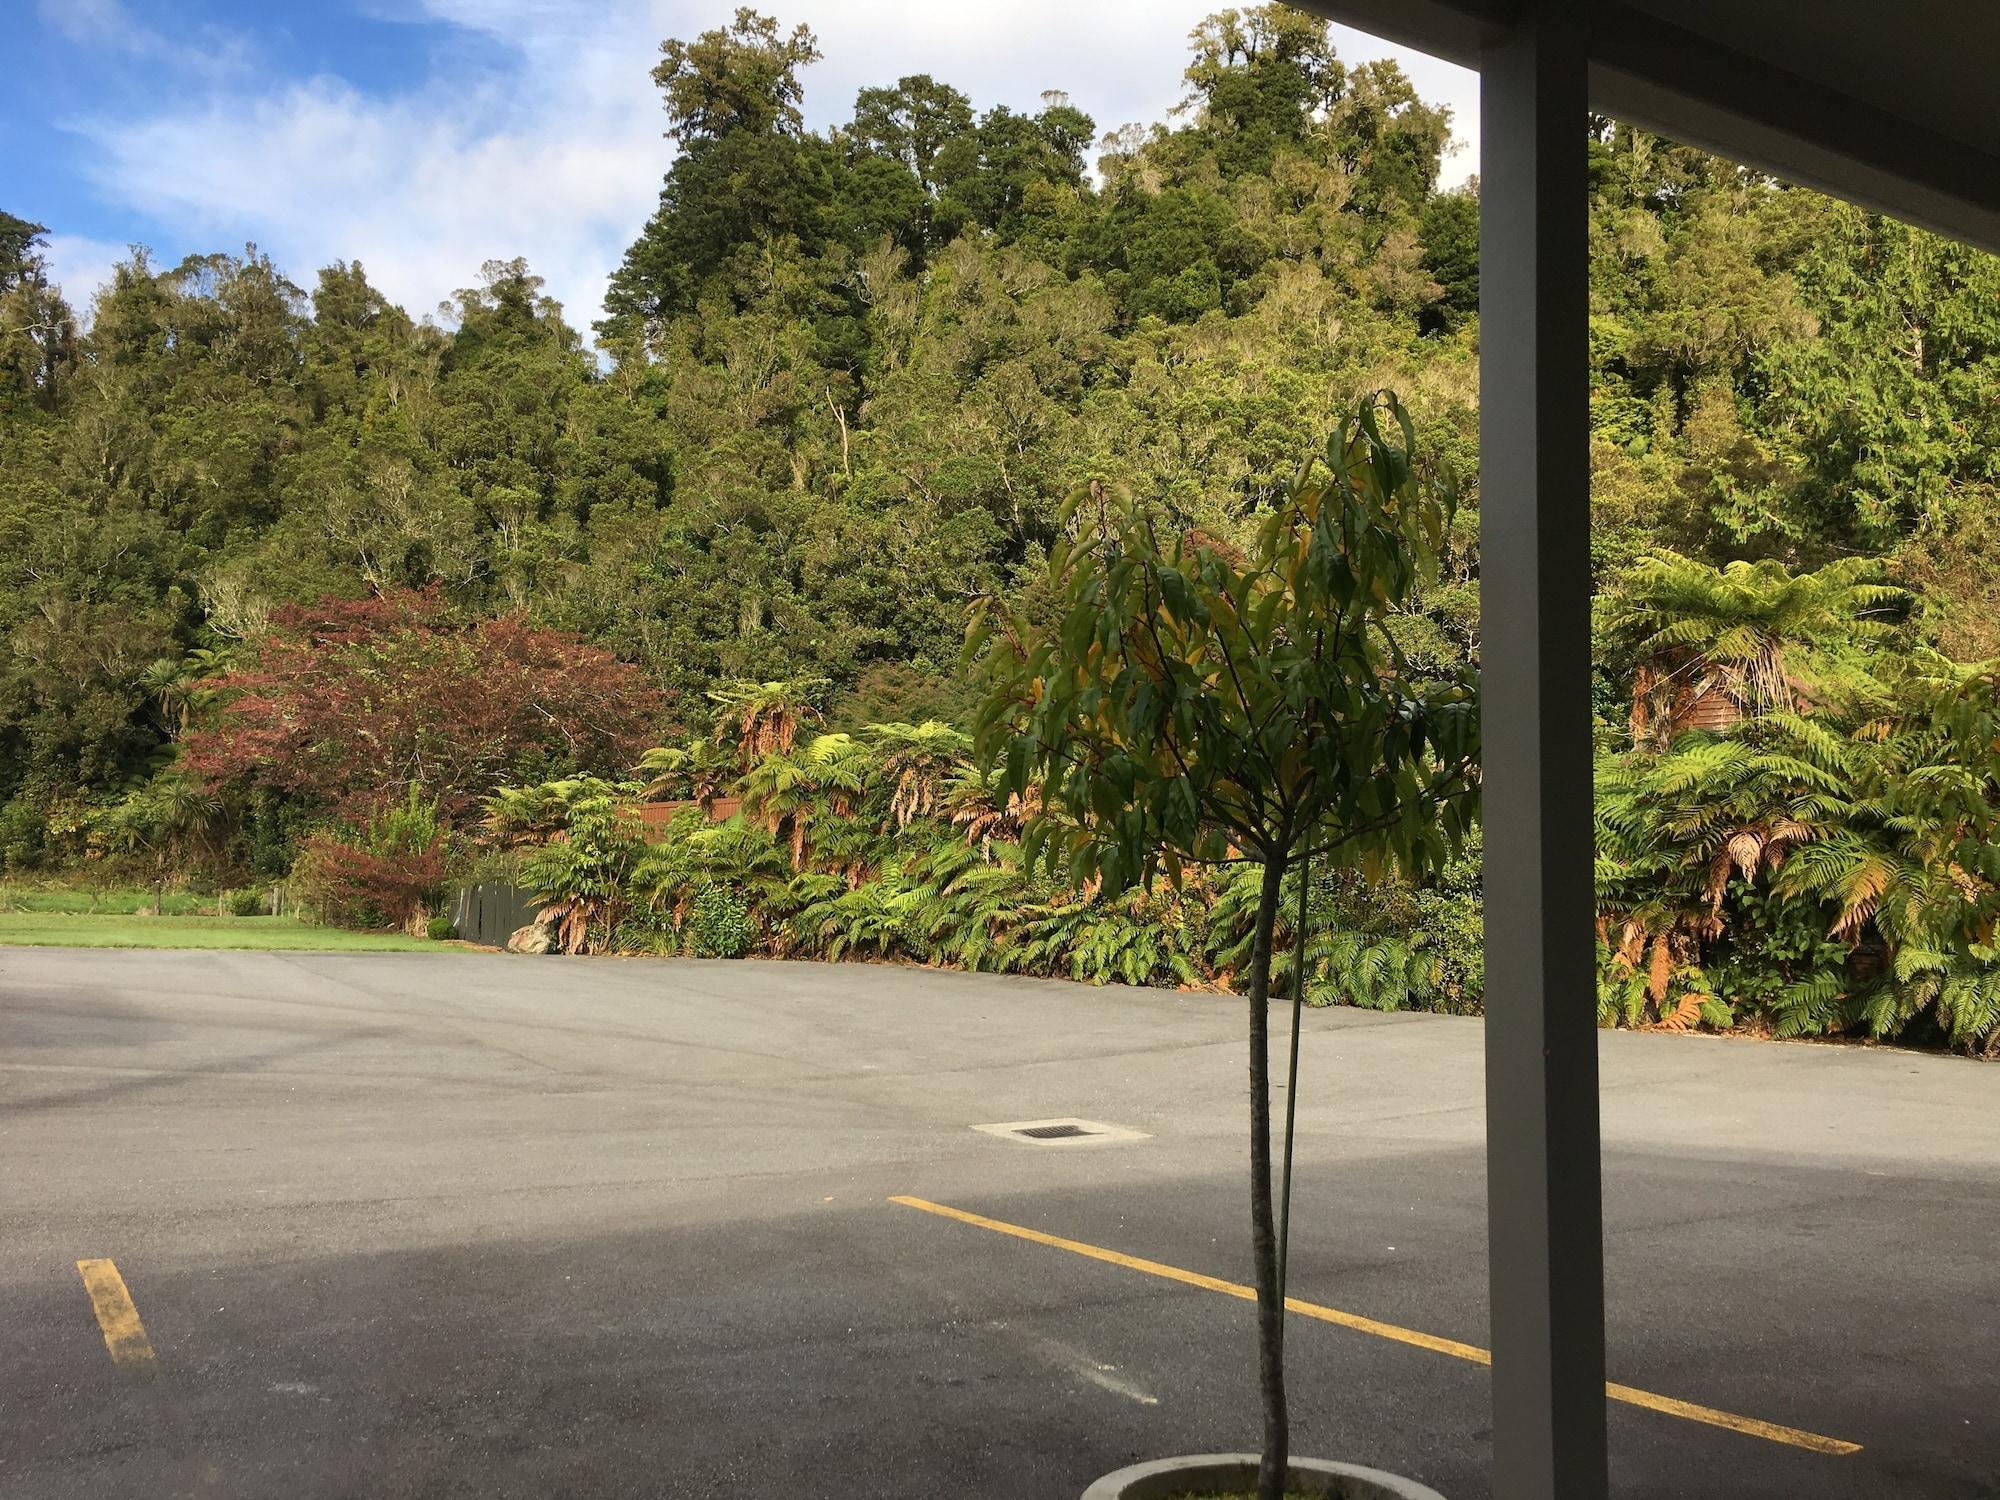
1263 1232
1304 863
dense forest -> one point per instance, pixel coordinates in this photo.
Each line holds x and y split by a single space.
844 381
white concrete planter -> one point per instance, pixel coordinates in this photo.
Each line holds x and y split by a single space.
1169 1478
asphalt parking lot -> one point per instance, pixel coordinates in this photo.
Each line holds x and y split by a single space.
464 1224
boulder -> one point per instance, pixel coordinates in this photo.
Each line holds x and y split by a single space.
533 938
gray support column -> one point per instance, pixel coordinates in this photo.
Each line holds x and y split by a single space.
1545 1215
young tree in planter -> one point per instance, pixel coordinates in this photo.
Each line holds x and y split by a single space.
1195 704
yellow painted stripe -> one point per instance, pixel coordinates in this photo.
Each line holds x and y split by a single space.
124 1334
1630 1395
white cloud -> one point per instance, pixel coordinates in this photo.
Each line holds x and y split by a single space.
80 266
201 52
96 21
559 159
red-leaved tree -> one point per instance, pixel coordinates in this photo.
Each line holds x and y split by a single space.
347 703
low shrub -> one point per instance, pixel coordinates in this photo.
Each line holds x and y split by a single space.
350 886
440 929
718 923
643 930
244 903
390 872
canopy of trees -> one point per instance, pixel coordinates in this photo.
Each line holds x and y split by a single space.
845 378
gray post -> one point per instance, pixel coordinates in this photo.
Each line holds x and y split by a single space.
1544 1210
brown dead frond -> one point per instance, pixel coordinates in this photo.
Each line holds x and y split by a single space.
1660 971
1719 870
1685 1016
1632 944
1862 895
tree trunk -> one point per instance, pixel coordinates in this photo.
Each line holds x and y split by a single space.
1263 1232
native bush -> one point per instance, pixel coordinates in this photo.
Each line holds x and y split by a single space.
1820 859
1799 837
887 843
391 871
719 924
581 875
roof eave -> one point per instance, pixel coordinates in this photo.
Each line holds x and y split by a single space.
1666 78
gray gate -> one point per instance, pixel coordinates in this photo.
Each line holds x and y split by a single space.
488 913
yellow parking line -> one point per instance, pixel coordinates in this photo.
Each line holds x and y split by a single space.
124 1334
1630 1395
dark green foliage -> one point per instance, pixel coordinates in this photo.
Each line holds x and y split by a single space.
440 929
724 201
718 923
1192 700
1449 231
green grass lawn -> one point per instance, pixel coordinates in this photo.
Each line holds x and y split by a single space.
117 902
57 929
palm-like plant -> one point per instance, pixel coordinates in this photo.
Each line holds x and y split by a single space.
523 817
919 765
790 792
182 686
1675 830
582 878
667 876
169 820
873 916
1874 815
987 812
698 771
1707 647
755 719
972 904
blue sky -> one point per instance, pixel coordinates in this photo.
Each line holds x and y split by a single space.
422 137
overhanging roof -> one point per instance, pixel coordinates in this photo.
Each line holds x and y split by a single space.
1896 106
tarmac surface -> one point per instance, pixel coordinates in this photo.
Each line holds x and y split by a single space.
459 1224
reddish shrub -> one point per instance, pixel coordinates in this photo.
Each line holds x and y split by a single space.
347 702
354 887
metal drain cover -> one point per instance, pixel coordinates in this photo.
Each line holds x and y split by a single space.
1068 1131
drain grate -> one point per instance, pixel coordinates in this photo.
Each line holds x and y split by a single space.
1064 1130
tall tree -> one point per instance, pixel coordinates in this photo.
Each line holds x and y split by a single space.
38 339
743 76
